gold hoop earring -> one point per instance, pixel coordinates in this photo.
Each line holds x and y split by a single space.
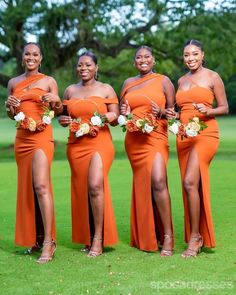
96 75
154 62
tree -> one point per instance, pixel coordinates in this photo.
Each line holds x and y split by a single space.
111 28
106 26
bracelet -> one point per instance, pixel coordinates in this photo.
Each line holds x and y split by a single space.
58 107
115 115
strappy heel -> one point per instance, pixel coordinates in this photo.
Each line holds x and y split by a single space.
93 253
47 256
36 248
193 251
85 249
167 252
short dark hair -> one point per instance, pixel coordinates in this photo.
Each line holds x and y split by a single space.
144 47
90 54
195 43
33 43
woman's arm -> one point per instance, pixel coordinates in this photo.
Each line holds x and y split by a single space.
222 107
113 109
52 96
12 102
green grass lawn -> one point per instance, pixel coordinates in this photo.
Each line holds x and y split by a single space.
122 269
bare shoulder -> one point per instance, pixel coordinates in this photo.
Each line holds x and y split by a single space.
13 81
50 80
166 79
181 80
108 90
69 90
128 81
213 74
213 77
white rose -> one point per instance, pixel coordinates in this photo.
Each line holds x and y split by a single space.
19 117
47 120
79 133
32 124
96 121
174 128
196 119
147 128
84 128
139 123
51 114
122 120
191 132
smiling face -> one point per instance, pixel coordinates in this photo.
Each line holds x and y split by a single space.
31 57
193 57
144 61
86 68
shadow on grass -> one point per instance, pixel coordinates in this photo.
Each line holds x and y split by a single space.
226 151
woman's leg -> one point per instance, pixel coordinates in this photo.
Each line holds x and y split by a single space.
96 198
41 177
191 186
162 200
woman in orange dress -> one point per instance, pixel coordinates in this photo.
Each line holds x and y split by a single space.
32 96
197 90
146 96
88 107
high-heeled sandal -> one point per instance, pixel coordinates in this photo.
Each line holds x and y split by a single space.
36 248
92 253
48 256
193 251
85 249
167 252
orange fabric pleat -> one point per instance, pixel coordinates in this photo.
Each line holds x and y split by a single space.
79 152
205 144
141 148
28 217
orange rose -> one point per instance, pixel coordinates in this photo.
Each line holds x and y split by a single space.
93 131
25 123
131 126
74 126
41 126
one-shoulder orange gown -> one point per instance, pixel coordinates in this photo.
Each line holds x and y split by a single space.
205 144
28 218
79 152
141 148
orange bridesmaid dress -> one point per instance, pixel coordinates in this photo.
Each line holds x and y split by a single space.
29 223
79 152
141 148
205 144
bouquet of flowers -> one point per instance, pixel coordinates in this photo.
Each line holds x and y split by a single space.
146 125
191 129
28 123
80 128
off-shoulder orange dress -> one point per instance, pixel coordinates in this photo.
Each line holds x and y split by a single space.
141 148
205 144
28 218
79 152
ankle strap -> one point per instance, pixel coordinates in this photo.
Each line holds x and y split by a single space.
98 239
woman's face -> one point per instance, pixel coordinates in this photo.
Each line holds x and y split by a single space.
193 57
86 68
31 57
144 61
